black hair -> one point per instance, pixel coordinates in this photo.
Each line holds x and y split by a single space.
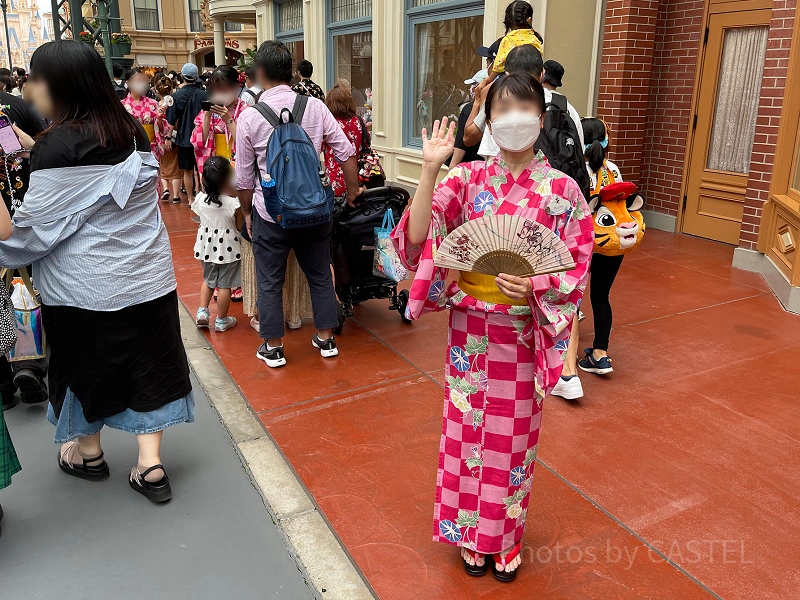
594 132
525 59
82 94
251 72
118 71
20 72
517 15
6 80
521 85
305 68
275 61
225 74
217 173
131 72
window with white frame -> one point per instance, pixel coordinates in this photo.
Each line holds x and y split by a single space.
289 30
232 26
145 15
441 38
195 20
350 51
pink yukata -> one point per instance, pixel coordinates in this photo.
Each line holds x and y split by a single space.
202 152
145 110
502 360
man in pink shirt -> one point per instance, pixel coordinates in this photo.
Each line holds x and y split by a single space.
271 242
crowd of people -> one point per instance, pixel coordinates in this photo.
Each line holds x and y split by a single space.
99 154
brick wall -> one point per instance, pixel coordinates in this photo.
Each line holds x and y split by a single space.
769 110
627 59
678 31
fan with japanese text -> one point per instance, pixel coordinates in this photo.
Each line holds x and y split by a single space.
508 244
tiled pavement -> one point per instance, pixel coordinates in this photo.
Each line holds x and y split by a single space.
674 478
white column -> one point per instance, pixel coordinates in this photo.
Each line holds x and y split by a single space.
316 38
219 42
265 21
388 18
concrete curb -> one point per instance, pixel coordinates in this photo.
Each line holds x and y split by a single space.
308 537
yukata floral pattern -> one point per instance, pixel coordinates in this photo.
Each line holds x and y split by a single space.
502 360
352 129
144 110
202 152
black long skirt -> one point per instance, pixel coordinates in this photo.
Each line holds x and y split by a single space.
130 358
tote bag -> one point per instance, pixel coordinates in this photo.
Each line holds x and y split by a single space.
28 316
386 262
8 325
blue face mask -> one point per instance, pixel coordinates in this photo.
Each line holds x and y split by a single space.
604 144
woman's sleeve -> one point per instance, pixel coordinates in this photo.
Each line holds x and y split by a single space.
428 289
556 297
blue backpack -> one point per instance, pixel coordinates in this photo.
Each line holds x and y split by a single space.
297 193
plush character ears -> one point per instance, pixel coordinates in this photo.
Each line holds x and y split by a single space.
635 202
594 203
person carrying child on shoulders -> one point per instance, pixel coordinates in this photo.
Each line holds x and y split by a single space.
218 245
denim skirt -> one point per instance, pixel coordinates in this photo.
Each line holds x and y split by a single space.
71 423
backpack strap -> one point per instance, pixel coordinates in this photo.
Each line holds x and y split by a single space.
559 101
268 114
299 109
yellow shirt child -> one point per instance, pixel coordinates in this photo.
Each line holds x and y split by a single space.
514 38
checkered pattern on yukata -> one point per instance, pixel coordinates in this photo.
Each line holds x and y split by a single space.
9 463
509 429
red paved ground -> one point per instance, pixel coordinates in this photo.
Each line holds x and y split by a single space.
690 446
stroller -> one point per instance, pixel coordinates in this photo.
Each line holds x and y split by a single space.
353 248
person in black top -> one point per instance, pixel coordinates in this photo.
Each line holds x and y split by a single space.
306 87
119 87
187 104
27 376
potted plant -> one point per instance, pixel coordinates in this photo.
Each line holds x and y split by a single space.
87 38
122 41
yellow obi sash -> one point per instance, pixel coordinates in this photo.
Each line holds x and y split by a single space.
221 146
150 131
483 287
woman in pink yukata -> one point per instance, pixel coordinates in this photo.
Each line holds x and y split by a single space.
507 335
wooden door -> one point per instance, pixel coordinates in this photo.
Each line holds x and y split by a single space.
724 123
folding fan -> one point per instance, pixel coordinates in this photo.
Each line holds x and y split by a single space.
508 244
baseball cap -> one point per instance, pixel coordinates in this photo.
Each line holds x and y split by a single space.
189 71
553 72
477 78
491 51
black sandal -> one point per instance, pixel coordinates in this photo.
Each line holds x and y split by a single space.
475 570
84 471
157 491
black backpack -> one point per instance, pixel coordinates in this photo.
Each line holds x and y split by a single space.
560 143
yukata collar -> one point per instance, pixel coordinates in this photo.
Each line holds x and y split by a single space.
537 161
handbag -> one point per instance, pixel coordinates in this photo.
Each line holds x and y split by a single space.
28 320
8 325
370 170
386 263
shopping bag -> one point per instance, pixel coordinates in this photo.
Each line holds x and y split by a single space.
386 263
8 324
28 316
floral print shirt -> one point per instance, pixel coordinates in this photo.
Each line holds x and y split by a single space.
355 133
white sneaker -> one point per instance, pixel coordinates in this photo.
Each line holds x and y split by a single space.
569 389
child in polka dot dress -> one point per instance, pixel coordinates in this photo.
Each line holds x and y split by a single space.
217 246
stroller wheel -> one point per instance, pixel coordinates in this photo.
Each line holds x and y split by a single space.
340 313
402 297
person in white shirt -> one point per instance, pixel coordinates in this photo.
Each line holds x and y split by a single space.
523 58
251 92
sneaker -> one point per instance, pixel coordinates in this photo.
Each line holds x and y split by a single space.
327 348
272 356
165 195
176 200
202 318
32 388
569 388
224 324
590 364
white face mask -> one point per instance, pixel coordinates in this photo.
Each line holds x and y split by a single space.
516 131
139 88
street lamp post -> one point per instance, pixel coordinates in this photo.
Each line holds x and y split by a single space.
4 8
